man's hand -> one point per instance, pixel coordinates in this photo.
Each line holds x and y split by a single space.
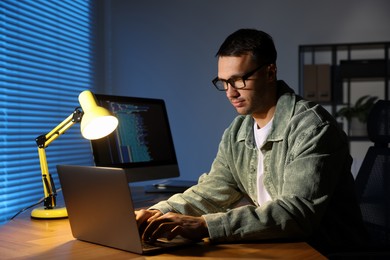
145 216
171 225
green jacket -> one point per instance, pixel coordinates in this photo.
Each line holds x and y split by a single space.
306 172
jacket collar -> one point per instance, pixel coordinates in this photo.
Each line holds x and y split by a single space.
283 113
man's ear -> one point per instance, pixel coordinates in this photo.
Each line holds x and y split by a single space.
271 72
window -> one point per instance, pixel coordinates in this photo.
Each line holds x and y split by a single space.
46 60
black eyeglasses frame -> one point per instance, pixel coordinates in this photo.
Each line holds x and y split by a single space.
232 81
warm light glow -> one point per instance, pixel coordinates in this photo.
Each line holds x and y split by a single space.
97 122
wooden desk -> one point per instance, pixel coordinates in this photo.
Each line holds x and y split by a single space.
25 238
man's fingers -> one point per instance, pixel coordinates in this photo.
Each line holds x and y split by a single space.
159 225
162 230
171 225
155 216
151 228
143 217
140 217
176 231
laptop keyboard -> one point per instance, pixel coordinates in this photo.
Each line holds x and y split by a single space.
146 245
163 243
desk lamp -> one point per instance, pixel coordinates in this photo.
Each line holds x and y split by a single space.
96 122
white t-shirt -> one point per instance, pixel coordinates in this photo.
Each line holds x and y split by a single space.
260 135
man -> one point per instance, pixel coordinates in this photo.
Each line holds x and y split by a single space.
287 155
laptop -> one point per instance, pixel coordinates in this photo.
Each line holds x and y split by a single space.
101 210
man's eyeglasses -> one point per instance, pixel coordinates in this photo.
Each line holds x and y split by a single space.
237 83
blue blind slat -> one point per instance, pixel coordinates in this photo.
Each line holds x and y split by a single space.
38 42
31 55
39 12
42 88
33 81
49 70
39 53
33 50
24 31
15 155
46 60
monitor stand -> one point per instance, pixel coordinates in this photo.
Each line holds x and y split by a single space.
170 186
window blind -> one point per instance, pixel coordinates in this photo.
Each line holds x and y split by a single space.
46 60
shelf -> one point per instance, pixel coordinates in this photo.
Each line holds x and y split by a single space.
330 74
368 68
359 138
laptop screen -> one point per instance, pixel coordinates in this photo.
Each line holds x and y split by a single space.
142 142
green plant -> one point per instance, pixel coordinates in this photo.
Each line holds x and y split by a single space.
360 110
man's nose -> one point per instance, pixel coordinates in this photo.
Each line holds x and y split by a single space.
231 91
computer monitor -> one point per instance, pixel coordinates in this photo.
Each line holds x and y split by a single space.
142 143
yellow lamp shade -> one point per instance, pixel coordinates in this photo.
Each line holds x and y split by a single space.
97 122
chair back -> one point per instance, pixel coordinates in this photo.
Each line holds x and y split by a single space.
373 179
378 123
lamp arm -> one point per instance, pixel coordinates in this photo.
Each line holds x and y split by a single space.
43 141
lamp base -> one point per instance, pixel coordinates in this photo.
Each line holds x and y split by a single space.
43 213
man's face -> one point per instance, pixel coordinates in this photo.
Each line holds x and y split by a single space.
259 93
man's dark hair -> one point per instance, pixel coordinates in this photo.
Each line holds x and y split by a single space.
249 41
